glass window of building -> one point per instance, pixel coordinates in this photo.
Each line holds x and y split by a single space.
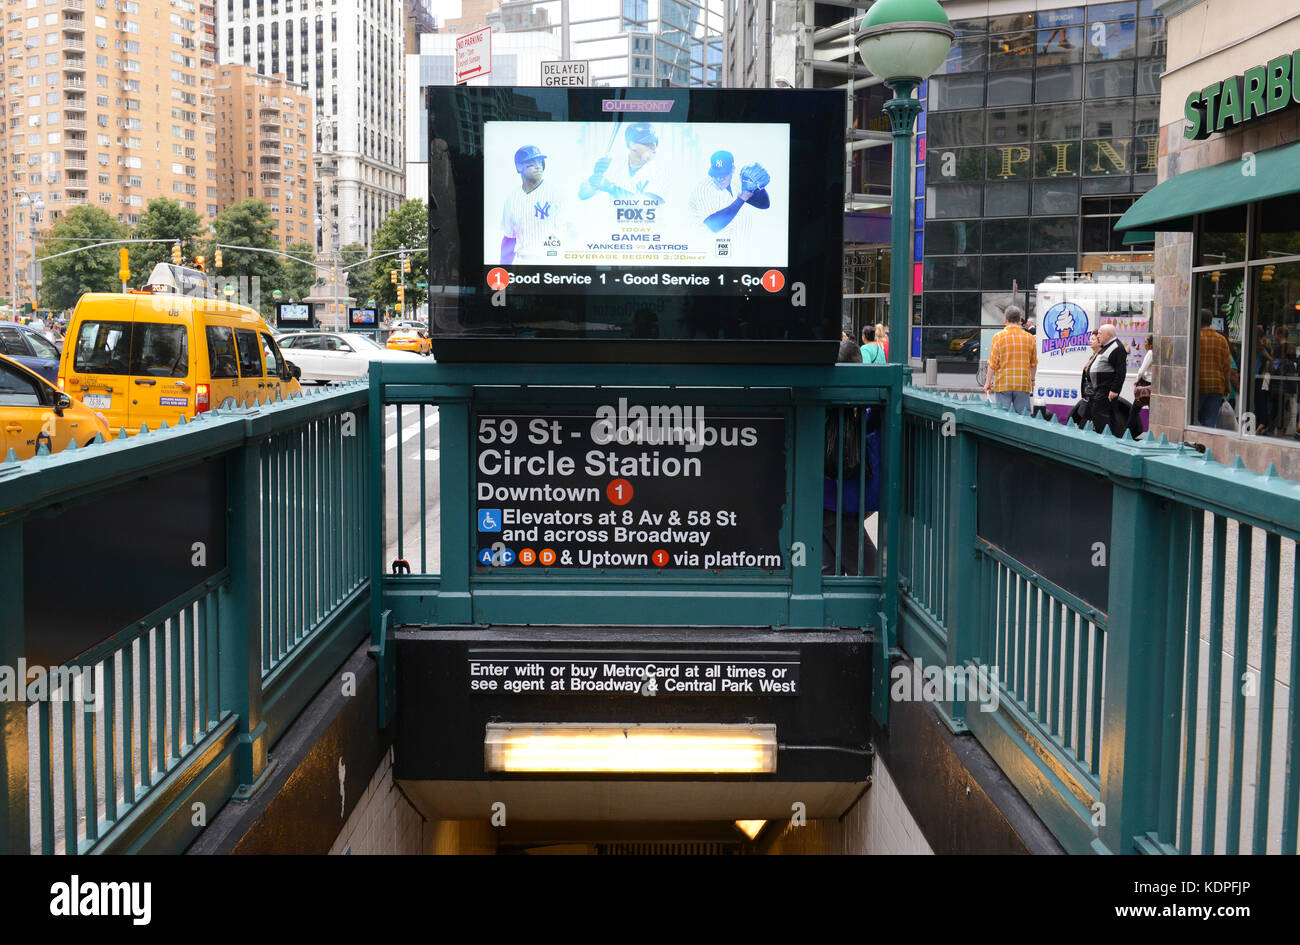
1246 305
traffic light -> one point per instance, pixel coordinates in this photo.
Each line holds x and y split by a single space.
392 276
1267 274
397 307
217 258
401 293
406 265
1214 276
198 263
176 254
123 265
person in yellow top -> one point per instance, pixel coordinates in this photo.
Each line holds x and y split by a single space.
1013 360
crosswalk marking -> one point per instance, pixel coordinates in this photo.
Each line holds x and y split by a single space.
411 427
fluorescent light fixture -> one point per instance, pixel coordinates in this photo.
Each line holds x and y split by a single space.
750 828
602 748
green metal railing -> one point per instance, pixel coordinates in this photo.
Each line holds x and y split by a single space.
189 699
1165 724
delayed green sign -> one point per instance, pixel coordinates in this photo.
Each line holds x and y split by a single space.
1259 92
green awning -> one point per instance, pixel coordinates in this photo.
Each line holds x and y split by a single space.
1138 236
1172 204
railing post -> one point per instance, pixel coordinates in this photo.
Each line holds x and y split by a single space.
459 528
889 556
806 605
15 830
962 587
1135 667
241 613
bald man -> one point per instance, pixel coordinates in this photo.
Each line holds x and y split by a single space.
1108 370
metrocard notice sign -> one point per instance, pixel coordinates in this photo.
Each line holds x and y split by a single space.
629 486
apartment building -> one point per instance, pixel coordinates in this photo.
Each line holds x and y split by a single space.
107 103
349 56
264 148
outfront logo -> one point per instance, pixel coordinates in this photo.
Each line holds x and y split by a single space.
1064 325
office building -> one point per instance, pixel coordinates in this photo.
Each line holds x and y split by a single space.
349 56
633 43
1037 133
107 103
264 149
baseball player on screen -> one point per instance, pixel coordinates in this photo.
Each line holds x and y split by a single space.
632 178
720 205
533 214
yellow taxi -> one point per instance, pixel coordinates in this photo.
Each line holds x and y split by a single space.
148 358
411 339
33 410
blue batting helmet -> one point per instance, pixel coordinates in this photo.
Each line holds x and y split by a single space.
641 133
527 154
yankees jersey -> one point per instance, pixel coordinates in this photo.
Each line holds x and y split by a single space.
645 180
707 199
532 220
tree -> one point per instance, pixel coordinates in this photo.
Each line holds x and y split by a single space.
359 276
299 277
166 220
407 226
249 224
68 278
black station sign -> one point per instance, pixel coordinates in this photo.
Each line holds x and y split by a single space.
629 486
633 673
1259 92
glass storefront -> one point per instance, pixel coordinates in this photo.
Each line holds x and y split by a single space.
1040 130
1246 298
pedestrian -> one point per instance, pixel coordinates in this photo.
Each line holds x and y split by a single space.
1107 371
845 503
1214 373
871 351
882 338
1013 360
1145 377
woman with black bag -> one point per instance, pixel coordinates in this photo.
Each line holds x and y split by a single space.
1081 414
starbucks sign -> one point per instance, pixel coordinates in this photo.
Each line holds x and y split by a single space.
1257 93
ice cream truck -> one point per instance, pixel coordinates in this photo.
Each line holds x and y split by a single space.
1068 313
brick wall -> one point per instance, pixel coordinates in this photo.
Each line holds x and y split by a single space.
384 821
879 823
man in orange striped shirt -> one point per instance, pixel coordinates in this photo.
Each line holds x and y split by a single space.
1013 360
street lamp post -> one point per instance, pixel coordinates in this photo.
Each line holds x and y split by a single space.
902 42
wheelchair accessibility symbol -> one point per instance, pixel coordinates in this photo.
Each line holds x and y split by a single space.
489 520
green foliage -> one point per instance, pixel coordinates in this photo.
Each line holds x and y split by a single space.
299 277
408 226
168 220
68 278
359 276
249 224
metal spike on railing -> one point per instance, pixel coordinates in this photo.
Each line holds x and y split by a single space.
182 421
99 438
1163 441
121 433
43 448
11 456
1271 472
1128 435
162 425
71 445
144 429
1238 464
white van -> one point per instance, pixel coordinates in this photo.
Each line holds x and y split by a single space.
1070 311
